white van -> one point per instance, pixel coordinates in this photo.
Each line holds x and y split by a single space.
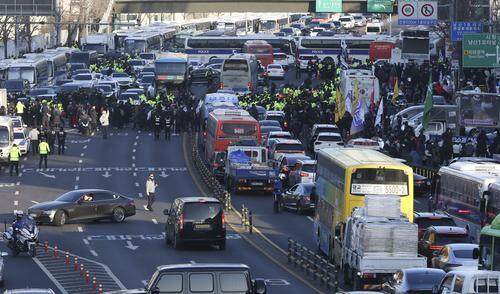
347 21
373 28
469 281
6 138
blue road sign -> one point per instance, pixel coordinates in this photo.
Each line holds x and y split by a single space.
459 28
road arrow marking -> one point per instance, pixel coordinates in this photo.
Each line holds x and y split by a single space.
107 175
163 174
131 246
47 175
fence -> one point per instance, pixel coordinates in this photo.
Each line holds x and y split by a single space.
246 219
213 184
312 264
427 172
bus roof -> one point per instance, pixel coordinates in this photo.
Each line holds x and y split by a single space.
171 60
232 114
357 156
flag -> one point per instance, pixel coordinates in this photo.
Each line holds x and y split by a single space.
340 105
372 97
356 94
428 104
395 94
378 118
358 119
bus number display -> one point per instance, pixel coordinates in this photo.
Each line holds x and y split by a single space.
379 189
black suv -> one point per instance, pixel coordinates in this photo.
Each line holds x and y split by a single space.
203 277
195 220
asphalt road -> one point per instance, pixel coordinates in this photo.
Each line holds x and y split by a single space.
132 250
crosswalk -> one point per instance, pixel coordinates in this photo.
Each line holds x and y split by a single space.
69 279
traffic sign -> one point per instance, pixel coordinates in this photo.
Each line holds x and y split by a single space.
481 50
459 28
328 5
379 6
413 12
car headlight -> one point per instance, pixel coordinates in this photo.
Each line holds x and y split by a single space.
49 212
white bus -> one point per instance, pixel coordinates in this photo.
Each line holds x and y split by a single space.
465 191
204 48
328 48
274 23
143 42
6 138
237 27
35 71
240 73
56 62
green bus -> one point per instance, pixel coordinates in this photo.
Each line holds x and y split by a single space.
489 246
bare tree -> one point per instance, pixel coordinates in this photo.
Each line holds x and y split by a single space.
29 29
6 31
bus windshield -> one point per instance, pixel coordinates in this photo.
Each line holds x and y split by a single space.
234 129
4 136
22 73
235 65
261 50
135 45
379 181
172 68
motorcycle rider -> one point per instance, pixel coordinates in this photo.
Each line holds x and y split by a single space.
278 188
18 223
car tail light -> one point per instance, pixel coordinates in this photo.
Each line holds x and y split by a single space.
222 85
204 134
303 174
223 220
435 247
181 223
464 211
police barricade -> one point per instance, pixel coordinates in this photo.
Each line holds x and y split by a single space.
312 264
246 218
425 171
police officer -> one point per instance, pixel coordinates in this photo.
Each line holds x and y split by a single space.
43 150
157 124
278 189
51 139
61 141
168 125
14 156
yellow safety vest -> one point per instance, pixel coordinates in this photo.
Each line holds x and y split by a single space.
14 154
44 148
19 107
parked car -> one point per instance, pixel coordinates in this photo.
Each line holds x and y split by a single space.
414 280
83 205
427 219
456 256
325 140
195 220
299 198
469 282
202 278
436 237
321 128
275 70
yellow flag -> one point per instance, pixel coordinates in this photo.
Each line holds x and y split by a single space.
340 107
356 95
396 92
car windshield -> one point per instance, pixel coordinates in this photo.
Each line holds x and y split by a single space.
71 196
309 168
463 253
201 211
18 136
373 29
137 62
329 138
119 75
345 19
147 79
271 66
83 77
4 136
279 56
423 280
289 147
424 222
106 88
444 239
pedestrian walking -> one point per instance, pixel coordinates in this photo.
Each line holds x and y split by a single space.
51 139
33 135
104 120
61 141
150 191
14 156
168 127
43 149
157 124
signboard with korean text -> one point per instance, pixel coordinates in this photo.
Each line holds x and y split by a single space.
481 50
328 5
459 28
379 6
412 12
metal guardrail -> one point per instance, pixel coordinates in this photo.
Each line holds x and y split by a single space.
213 184
312 264
427 172
246 219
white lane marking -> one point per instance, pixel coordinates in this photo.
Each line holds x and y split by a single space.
136 184
154 221
135 174
80 161
16 203
85 147
133 164
310 218
16 193
133 157
137 137
94 253
80 229
18 183
51 277
145 207
26 158
81 154
135 143
22 165
34 202
20 174
76 187
140 195
86 241
133 150
192 262
77 178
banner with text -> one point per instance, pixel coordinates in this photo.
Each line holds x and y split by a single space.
379 6
328 5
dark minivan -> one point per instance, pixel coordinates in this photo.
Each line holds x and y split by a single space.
195 220
210 278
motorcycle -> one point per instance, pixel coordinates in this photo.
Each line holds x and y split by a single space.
27 239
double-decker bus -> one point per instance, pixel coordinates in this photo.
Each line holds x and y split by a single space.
469 191
204 48
489 245
328 48
344 176
261 49
228 126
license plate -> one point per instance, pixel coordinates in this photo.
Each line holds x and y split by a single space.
257 184
202 227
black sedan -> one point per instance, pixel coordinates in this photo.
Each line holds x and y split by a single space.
414 280
421 185
299 198
83 205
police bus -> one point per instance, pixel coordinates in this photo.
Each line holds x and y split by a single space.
34 71
328 48
274 23
238 27
143 42
204 48
239 73
171 69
